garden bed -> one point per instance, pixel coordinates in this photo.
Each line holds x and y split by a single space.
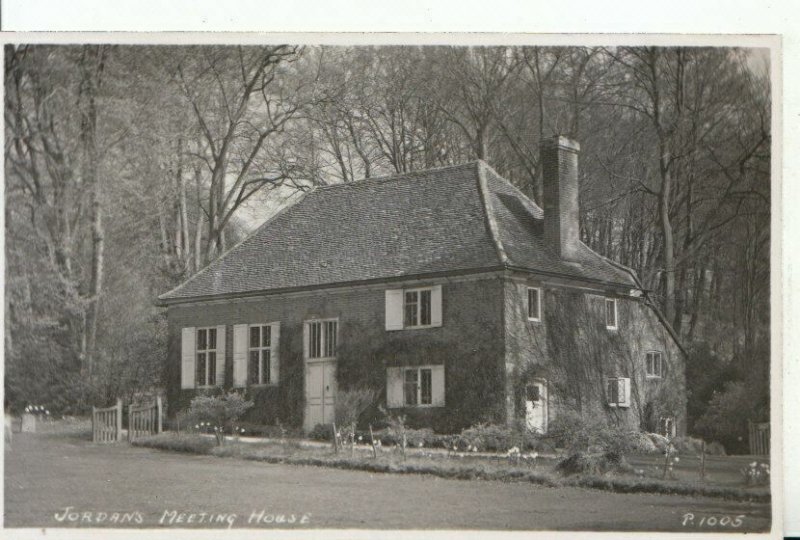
464 466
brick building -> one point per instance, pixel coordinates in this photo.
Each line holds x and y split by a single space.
448 290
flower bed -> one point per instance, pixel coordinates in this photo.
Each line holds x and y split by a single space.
462 465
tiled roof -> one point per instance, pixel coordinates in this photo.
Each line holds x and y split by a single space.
454 219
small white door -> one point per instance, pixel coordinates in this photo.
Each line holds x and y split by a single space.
536 406
320 393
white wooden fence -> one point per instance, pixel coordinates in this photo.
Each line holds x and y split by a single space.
145 420
758 438
107 423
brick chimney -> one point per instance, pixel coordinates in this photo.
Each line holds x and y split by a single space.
559 157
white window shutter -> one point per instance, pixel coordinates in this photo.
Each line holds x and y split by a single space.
437 385
240 355
611 385
274 353
221 353
394 387
625 392
305 340
436 306
394 309
187 357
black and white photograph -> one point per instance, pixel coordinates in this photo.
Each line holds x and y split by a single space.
334 284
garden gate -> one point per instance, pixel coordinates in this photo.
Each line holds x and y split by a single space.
107 423
145 420
758 438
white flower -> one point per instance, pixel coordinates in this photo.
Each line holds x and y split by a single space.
677 459
420 444
360 438
47 412
196 426
753 464
474 448
242 430
28 408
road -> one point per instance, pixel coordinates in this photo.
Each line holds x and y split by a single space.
56 481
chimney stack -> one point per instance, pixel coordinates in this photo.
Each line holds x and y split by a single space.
559 157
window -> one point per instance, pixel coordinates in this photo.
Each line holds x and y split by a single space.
420 307
611 313
533 392
417 307
618 391
259 354
206 365
654 365
322 339
417 387
534 304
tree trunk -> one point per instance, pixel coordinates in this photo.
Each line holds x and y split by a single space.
92 67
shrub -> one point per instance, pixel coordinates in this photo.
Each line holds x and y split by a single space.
177 442
321 432
715 449
659 441
349 406
221 412
593 464
725 419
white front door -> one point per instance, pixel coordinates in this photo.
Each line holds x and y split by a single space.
536 406
320 393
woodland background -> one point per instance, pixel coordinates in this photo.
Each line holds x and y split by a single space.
128 168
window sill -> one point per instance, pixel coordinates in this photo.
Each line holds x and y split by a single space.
207 387
262 385
654 377
617 406
534 320
417 407
420 327
612 328
323 359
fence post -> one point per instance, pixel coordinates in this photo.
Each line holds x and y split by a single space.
159 412
131 423
94 424
119 419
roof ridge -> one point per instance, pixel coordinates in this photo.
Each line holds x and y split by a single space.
491 222
255 231
400 176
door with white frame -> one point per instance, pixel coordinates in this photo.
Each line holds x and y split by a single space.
536 406
320 372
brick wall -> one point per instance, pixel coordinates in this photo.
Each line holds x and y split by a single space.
573 350
470 343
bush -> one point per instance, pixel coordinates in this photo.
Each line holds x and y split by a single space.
715 449
221 412
659 441
177 442
593 464
726 416
321 432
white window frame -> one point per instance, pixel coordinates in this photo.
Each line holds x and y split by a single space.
418 370
324 341
659 373
538 316
262 380
419 291
614 326
198 351
623 401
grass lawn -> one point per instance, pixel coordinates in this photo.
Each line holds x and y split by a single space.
45 473
722 479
